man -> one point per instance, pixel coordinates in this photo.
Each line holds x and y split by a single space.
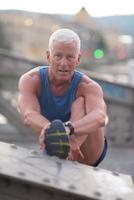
64 106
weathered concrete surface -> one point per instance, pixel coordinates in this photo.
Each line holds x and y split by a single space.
25 173
120 160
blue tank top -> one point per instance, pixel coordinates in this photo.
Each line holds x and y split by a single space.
53 106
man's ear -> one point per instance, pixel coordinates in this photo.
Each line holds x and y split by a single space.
48 55
79 59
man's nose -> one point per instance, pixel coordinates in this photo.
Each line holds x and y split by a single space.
64 61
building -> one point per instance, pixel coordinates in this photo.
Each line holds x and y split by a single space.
27 33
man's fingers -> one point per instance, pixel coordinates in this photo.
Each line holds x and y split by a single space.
81 154
42 146
42 139
70 155
73 154
75 146
77 152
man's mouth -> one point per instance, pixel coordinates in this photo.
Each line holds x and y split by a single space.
63 71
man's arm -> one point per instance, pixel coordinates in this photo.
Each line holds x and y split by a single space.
95 109
28 104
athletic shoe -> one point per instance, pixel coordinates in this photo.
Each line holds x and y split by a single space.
57 140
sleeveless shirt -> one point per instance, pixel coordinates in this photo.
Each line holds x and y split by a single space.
57 106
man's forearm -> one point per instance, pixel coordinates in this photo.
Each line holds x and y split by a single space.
90 123
35 121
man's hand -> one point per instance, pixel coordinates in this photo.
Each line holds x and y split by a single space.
42 137
75 144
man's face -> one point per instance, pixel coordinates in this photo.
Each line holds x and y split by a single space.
63 59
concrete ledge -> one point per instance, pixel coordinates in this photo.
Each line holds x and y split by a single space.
30 175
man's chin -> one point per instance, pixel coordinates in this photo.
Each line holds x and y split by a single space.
64 78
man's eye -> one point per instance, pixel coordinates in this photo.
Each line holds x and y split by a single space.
70 57
57 56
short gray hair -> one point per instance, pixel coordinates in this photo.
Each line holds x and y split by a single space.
64 35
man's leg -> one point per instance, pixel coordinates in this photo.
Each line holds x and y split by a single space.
92 145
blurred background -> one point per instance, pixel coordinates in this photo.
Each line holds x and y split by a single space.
107 33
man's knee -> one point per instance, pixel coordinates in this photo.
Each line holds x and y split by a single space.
79 103
78 109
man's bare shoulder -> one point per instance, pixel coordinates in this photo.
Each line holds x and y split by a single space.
30 80
87 86
31 73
